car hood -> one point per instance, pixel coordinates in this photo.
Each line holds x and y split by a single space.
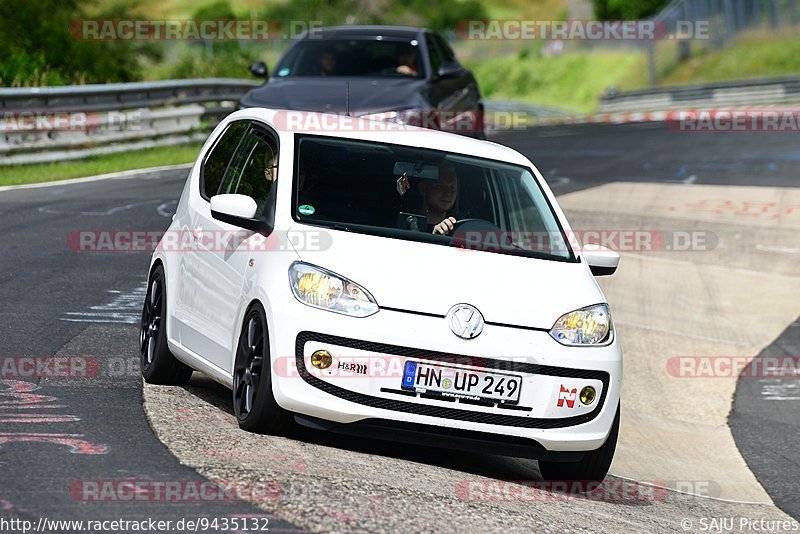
328 94
430 278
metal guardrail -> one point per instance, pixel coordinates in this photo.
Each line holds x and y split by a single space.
119 96
105 118
735 93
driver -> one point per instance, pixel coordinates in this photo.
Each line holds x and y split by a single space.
406 60
326 64
438 199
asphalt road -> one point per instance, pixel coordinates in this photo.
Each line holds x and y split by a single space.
766 424
764 418
58 301
88 428
581 156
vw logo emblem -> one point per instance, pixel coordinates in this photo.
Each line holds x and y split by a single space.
465 321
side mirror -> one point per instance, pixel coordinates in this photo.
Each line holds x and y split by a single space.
602 261
238 210
259 69
450 70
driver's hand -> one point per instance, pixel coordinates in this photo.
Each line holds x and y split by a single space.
445 227
405 69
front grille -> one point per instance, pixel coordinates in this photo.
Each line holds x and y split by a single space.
443 411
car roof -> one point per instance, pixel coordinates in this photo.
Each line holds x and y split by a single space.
292 122
339 32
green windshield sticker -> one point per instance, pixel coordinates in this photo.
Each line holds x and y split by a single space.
305 209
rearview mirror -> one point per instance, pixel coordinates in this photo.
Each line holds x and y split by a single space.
259 69
238 210
425 171
602 261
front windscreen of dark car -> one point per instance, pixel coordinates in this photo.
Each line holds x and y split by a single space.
403 192
368 57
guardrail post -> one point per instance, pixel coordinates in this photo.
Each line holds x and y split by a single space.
741 20
730 19
774 14
651 63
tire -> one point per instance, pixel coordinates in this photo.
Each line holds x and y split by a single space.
157 363
592 468
253 401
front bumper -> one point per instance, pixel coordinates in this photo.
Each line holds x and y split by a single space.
549 414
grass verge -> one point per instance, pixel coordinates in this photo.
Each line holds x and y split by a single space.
140 159
572 81
751 56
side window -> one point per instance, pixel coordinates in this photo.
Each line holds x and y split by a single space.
447 53
254 167
218 158
433 50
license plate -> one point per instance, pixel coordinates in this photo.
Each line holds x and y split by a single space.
449 381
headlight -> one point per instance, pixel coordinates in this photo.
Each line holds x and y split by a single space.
588 326
323 289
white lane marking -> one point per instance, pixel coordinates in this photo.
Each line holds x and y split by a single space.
122 175
117 209
778 249
124 308
554 180
110 211
781 391
689 180
740 270
164 209
683 334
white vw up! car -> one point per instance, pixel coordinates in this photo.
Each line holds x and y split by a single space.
386 281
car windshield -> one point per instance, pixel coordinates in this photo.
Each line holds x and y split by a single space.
353 57
407 192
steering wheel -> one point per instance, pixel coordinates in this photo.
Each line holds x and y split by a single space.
474 225
476 234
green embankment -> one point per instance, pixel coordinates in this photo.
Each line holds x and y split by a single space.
46 172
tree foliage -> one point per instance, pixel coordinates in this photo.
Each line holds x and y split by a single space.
434 14
38 47
627 9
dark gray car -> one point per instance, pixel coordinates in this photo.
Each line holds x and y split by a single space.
412 72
